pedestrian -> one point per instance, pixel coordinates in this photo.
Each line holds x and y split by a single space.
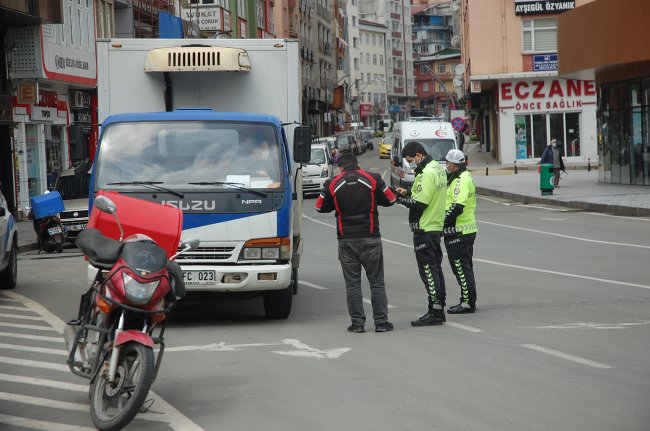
460 229
354 195
553 155
426 203
461 138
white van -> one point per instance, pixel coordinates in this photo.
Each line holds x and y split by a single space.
73 185
437 137
317 170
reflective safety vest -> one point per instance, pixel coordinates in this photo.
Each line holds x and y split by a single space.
462 191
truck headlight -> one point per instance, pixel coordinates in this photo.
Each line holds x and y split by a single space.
136 292
267 249
324 174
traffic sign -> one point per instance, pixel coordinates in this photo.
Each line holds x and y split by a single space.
458 123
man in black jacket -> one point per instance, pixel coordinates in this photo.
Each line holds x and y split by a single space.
354 195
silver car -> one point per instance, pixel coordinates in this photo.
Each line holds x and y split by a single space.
8 247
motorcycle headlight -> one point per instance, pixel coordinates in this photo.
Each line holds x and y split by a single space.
136 292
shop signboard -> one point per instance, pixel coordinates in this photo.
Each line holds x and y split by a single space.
544 62
538 7
545 95
208 18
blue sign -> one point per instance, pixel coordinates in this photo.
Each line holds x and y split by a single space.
544 62
393 108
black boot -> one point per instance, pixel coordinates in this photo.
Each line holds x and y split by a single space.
433 317
462 308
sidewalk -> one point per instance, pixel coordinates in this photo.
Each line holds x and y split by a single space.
578 189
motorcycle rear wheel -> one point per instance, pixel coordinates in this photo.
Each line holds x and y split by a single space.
113 406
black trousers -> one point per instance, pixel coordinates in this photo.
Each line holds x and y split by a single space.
428 254
460 249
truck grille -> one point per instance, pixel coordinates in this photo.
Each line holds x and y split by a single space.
206 253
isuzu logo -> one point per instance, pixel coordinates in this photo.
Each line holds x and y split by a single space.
192 205
251 201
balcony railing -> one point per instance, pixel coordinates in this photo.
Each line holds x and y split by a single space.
324 13
397 71
395 15
397 53
397 34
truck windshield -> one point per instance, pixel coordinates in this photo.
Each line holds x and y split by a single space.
436 148
186 155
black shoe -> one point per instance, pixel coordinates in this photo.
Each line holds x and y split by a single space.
461 308
433 317
384 327
357 329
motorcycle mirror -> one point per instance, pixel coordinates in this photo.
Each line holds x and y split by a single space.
192 243
105 204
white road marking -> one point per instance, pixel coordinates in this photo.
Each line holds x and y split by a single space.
31 337
318 221
564 236
552 219
30 327
43 382
34 364
494 201
34 349
528 268
368 301
312 285
566 356
463 327
586 325
43 402
18 316
305 350
40 425
11 307
617 216
217 347
3 297
170 415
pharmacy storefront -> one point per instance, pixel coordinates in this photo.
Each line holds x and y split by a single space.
534 111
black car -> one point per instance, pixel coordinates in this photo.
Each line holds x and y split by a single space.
366 135
345 143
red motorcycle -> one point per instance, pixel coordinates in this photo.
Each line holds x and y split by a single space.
111 342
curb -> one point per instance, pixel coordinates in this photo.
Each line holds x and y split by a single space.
24 248
586 206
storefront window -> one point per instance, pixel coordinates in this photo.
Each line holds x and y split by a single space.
533 132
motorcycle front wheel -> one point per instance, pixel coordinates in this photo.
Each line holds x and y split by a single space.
114 405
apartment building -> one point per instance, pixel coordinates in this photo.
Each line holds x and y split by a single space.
517 100
370 67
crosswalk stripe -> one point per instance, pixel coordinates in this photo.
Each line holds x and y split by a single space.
32 327
39 425
19 316
34 349
11 307
43 382
34 364
31 337
43 402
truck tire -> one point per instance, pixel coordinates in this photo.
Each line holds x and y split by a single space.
9 275
277 303
294 280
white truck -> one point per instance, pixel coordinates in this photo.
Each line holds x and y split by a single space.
211 126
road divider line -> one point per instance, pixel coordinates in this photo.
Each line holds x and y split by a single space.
566 356
367 301
543 208
40 425
33 349
577 238
312 285
463 327
526 268
34 364
43 382
31 337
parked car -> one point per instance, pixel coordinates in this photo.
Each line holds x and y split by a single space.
366 136
345 143
8 247
317 170
73 185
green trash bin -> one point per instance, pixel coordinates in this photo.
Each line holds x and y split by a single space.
546 178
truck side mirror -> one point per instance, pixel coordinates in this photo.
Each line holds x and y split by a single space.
301 144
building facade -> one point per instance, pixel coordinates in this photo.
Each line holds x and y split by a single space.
620 67
517 101
370 73
435 80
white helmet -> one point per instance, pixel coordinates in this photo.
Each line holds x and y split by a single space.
455 156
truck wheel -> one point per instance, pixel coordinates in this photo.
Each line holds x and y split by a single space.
277 303
9 275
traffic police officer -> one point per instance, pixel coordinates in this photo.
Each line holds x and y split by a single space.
460 229
426 204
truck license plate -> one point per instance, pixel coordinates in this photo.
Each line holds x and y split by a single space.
54 230
308 181
192 278
73 227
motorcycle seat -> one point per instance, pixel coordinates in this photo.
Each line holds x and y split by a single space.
102 252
